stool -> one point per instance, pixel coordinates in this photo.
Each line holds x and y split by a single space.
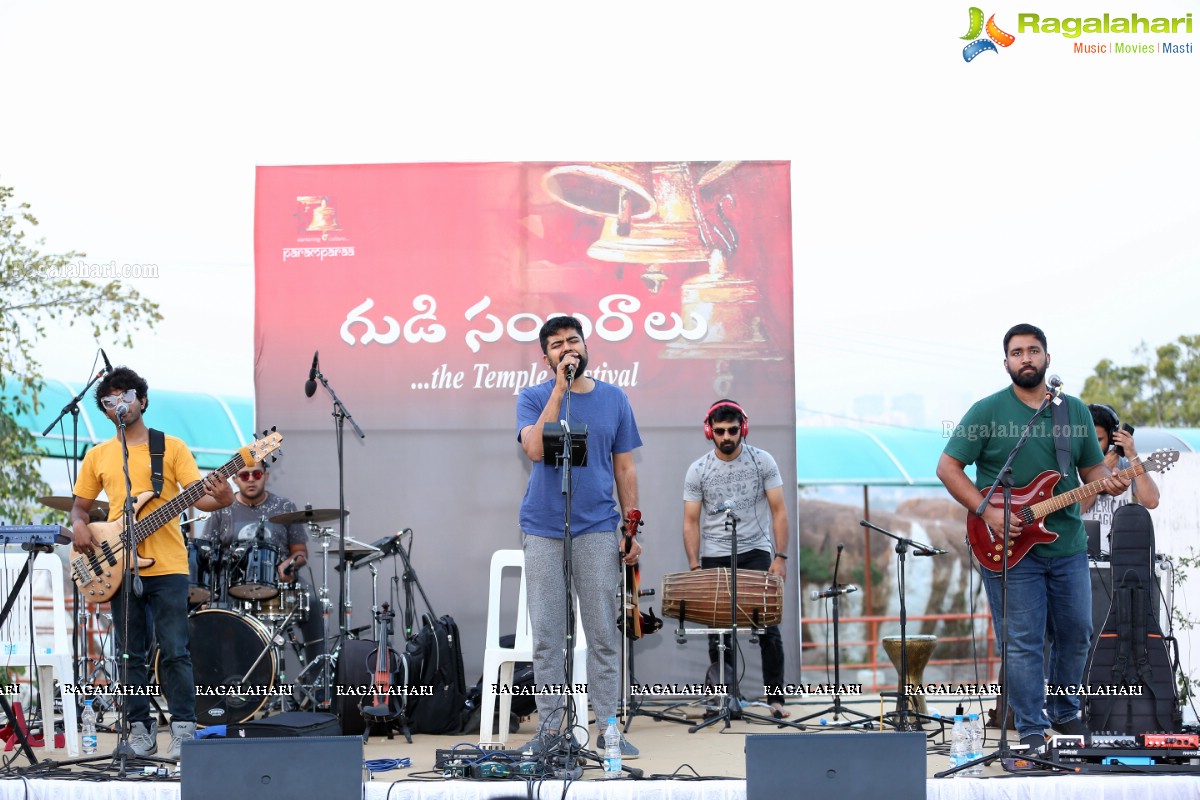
920 648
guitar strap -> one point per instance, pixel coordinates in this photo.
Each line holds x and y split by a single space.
158 448
1060 415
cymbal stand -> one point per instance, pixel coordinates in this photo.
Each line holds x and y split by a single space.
327 659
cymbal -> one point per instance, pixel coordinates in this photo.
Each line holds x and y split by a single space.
307 515
99 511
353 546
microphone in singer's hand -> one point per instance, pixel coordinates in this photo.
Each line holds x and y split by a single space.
571 372
310 385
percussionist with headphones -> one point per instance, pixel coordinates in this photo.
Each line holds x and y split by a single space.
735 475
1116 442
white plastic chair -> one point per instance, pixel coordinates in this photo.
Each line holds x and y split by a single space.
18 647
498 662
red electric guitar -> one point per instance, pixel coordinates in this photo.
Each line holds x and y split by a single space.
1033 503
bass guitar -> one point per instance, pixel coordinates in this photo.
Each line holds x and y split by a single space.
1033 503
99 574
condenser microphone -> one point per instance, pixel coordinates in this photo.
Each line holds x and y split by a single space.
310 386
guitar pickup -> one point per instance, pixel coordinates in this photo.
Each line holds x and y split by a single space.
108 555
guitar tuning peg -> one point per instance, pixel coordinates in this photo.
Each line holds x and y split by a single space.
273 429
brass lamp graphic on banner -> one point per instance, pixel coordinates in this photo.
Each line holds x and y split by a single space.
653 216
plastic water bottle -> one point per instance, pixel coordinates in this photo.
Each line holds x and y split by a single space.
958 744
89 728
612 749
974 743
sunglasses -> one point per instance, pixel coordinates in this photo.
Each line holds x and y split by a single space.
250 475
730 431
112 401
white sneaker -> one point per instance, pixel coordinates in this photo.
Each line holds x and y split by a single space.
179 732
144 742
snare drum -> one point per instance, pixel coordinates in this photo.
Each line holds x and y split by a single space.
224 646
291 597
703 597
255 576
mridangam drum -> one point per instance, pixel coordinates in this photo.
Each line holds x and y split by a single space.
225 646
703 597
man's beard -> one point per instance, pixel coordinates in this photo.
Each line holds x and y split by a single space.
579 370
728 446
1029 380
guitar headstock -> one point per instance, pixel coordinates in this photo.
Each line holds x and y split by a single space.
1160 460
261 448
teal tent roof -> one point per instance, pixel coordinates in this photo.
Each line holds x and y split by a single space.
881 455
213 427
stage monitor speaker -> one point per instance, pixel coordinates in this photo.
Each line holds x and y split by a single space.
849 765
272 769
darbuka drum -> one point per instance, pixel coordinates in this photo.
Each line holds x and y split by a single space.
703 597
224 645
920 648
254 577
291 597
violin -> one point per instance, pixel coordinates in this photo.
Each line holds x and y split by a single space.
637 624
381 705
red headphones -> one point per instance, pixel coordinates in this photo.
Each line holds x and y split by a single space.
708 431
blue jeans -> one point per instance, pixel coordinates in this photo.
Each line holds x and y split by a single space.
165 596
1049 599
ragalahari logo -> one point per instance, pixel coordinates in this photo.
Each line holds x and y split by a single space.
979 44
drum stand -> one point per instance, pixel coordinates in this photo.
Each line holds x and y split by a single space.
731 705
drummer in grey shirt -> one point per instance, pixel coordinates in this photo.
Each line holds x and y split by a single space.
737 476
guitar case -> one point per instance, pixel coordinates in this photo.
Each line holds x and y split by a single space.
1130 674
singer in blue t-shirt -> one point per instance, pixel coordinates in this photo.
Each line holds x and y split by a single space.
612 435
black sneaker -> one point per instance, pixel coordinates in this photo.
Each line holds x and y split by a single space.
1034 743
1072 727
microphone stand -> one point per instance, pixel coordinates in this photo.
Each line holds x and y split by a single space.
834 593
565 459
902 705
732 705
340 415
79 635
1004 483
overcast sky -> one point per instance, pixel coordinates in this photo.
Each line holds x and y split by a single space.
934 203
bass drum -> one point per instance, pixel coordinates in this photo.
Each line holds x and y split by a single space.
224 646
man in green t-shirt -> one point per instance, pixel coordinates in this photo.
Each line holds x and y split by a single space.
1049 590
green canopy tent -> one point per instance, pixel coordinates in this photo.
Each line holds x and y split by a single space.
214 427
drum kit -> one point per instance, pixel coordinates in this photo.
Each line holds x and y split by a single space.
241 619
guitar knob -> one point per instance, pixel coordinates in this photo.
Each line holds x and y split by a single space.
995 558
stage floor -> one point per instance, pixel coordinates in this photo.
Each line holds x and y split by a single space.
668 750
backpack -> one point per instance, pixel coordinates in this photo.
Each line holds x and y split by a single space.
437 703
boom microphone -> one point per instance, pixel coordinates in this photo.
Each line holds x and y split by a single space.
1054 388
107 363
310 386
122 410
726 505
832 592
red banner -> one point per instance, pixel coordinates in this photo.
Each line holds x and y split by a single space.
423 286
